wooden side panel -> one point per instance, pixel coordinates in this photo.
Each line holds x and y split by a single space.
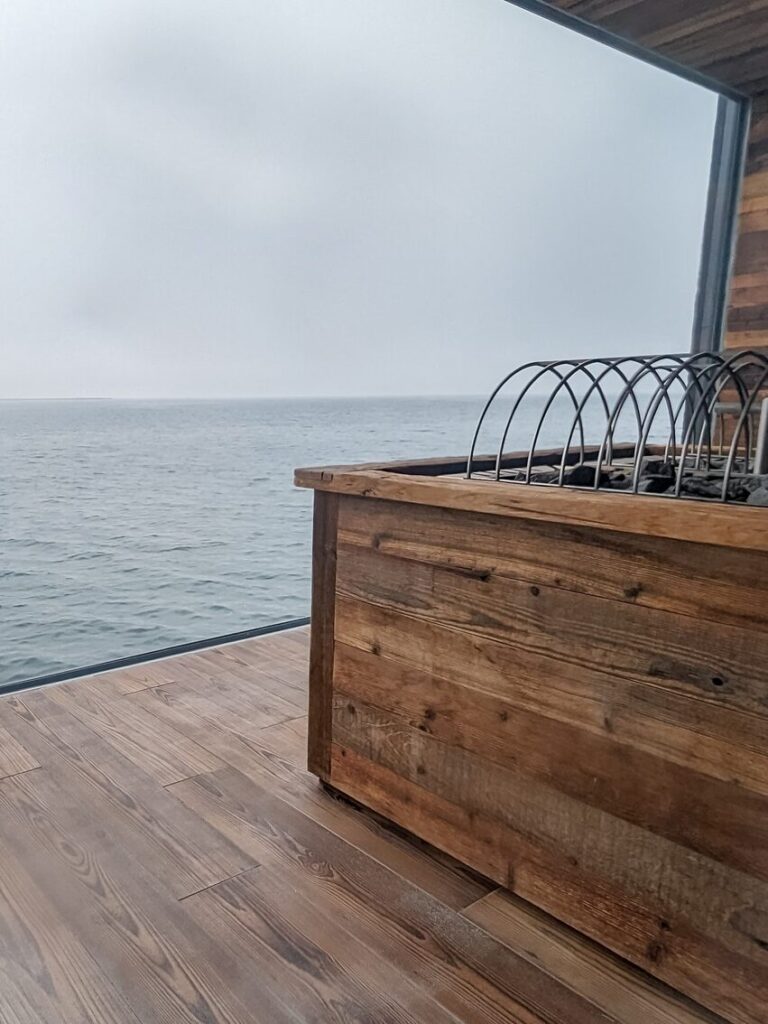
322 629
748 313
575 714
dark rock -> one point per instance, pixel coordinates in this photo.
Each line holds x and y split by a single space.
539 475
701 487
618 481
659 468
712 487
655 483
759 497
584 476
545 476
754 483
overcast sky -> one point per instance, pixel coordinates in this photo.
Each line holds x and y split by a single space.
327 197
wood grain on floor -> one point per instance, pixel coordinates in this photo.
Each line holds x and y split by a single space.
166 857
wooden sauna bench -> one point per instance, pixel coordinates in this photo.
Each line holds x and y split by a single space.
566 690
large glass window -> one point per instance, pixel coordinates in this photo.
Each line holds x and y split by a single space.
230 232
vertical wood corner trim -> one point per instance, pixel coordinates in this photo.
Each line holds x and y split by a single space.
322 633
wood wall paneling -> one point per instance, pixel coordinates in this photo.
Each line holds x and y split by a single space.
748 310
562 709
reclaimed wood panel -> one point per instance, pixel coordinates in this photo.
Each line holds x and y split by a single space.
579 714
717 584
321 650
673 951
726 40
747 325
440 876
705 814
725 668
723 525
655 722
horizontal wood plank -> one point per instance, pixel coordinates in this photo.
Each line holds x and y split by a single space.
648 515
707 815
718 584
672 950
725 668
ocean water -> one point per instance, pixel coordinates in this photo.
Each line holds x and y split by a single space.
126 526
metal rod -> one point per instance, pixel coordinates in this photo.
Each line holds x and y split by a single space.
631 392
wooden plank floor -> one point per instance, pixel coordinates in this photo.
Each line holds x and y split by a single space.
164 857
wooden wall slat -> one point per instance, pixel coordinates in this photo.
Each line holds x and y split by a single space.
748 309
727 668
730 525
717 584
672 950
679 884
709 815
722 744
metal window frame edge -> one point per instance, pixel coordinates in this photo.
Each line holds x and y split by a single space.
100 668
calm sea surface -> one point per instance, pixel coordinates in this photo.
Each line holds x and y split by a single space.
129 526
126 526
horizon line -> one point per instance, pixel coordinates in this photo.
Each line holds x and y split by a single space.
233 398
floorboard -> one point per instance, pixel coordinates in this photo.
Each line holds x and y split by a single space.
166 858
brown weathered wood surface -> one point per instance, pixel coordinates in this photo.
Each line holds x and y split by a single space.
726 40
748 311
321 656
577 713
166 857
646 515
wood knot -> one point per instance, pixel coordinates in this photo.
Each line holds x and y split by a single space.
655 951
535 591
430 714
633 592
